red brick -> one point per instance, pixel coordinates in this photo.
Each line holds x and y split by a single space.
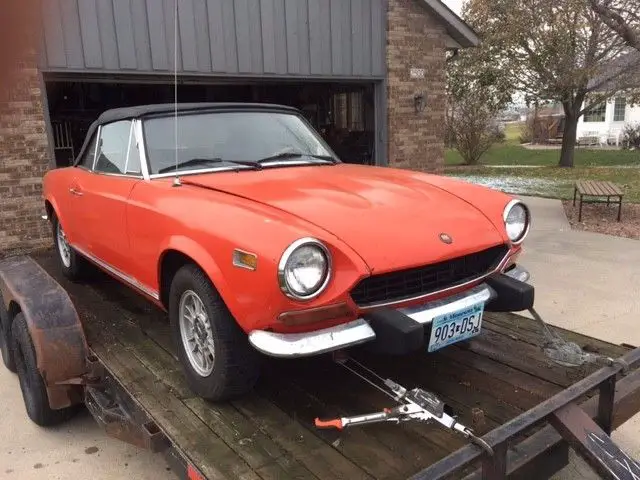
23 161
415 40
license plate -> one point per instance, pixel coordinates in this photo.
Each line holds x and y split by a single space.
455 327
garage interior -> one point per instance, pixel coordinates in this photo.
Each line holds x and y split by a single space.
344 113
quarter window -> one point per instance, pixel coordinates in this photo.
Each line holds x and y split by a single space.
87 159
113 147
133 158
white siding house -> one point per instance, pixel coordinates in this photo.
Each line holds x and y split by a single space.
607 122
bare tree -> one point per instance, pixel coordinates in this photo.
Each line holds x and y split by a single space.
621 17
555 51
472 128
476 92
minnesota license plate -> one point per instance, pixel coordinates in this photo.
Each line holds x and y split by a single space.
455 327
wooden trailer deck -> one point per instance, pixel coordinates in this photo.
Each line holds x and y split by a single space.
270 433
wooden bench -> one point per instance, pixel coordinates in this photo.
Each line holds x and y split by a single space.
592 188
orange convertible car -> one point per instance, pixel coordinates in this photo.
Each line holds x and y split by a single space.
242 223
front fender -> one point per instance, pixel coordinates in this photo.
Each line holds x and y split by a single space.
203 258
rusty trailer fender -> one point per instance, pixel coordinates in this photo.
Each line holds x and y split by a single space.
56 331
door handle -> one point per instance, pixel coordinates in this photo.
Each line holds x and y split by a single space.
73 191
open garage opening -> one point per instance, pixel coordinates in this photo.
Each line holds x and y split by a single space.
343 113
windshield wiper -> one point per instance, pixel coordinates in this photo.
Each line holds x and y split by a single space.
284 155
204 161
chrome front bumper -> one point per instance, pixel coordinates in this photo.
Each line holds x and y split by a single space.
292 345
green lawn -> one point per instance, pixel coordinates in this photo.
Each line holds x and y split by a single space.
549 181
512 132
513 154
510 152
505 167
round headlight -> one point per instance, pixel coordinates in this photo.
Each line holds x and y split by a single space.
304 269
516 221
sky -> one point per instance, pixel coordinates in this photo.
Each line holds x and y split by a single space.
455 5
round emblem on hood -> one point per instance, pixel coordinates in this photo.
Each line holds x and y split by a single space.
446 238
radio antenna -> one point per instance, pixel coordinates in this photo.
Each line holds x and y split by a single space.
176 180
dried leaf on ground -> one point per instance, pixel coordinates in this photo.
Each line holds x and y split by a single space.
601 218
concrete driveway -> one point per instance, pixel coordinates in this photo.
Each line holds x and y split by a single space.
589 283
586 282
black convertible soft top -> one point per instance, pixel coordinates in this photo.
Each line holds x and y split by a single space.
126 113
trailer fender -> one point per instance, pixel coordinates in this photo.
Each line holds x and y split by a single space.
53 323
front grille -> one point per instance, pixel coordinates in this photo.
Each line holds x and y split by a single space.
414 282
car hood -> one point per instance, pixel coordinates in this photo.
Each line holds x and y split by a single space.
392 218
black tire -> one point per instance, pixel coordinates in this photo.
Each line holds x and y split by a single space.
77 267
6 344
34 391
236 366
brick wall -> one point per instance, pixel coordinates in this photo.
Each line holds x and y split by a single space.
415 40
24 156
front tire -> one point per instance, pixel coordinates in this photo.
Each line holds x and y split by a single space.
34 391
72 264
218 361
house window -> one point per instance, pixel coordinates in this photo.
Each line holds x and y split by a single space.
619 109
596 114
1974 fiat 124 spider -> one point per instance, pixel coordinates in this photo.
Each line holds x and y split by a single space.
255 237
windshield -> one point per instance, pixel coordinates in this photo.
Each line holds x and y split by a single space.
231 139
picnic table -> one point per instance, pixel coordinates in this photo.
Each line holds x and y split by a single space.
596 188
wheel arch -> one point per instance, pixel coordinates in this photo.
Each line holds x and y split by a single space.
52 210
181 250
48 208
55 328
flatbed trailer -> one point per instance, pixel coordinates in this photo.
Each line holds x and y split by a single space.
500 383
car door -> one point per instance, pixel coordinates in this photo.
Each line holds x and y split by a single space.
69 200
103 193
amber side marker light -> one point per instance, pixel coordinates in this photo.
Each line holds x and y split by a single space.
244 259
312 315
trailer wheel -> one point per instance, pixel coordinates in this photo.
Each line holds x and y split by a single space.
34 391
72 264
215 353
6 345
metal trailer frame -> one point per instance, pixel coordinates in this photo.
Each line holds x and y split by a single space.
569 422
122 417
26 287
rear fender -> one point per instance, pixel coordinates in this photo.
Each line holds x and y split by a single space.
60 216
60 345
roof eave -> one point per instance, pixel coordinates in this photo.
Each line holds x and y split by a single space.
457 28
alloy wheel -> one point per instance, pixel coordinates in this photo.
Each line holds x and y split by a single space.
63 246
196 333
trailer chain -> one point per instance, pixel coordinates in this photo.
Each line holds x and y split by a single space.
570 354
